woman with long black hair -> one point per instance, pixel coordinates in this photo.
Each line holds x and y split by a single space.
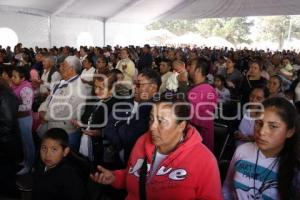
268 168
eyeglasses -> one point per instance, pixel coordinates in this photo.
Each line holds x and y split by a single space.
139 84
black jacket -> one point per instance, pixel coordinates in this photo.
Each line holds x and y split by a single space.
124 133
145 61
10 138
63 182
99 117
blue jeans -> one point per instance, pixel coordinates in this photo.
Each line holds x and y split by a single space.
74 140
25 124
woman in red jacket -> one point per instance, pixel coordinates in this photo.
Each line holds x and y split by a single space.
169 161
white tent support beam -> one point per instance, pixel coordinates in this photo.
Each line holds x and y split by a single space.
178 7
23 10
63 7
127 5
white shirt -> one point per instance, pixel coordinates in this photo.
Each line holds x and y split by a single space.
246 126
158 159
88 75
45 86
251 174
164 79
172 82
223 95
129 72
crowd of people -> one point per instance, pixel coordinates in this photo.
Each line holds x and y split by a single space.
138 122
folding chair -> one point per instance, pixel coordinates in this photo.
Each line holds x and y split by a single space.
221 139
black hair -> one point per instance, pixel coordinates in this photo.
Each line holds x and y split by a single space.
23 72
147 46
182 109
289 155
4 85
204 65
222 79
8 70
116 71
279 79
168 61
89 58
59 135
152 75
258 62
262 88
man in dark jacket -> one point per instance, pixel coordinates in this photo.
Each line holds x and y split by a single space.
124 128
145 60
10 139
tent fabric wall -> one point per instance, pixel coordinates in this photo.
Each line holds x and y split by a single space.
35 30
31 30
65 31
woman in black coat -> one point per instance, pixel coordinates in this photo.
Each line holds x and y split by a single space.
95 117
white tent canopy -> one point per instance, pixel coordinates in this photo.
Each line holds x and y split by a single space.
60 22
145 10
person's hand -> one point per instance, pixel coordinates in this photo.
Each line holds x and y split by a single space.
183 76
45 94
36 83
103 176
240 136
92 133
75 123
230 84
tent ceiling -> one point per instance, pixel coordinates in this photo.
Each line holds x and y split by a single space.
147 10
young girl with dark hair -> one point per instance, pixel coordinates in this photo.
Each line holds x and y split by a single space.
268 168
221 89
24 92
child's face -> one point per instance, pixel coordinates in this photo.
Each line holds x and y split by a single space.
16 79
52 152
218 83
5 76
271 132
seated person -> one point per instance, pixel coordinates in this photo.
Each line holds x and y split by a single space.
275 86
245 133
55 178
269 167
169 161
221 89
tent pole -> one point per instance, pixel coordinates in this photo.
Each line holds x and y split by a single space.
50 31
104 32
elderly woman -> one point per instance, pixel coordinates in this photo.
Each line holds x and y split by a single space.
95 116
169 161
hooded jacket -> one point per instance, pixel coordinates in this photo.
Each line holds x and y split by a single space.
189 172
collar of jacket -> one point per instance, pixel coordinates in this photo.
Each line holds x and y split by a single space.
66 83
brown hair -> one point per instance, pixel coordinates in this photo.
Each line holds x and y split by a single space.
110 78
